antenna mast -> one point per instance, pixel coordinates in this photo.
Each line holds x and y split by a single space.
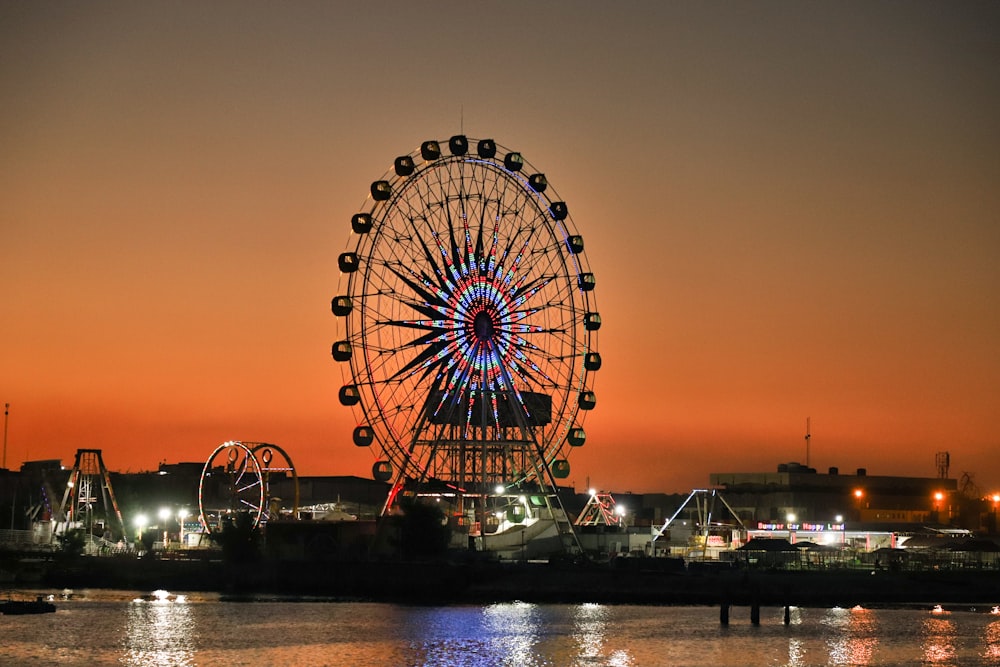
808 436
943 462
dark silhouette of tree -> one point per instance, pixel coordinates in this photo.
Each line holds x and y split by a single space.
71 543
239 539
147 539
423 531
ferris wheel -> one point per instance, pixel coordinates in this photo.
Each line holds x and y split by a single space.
237 479
469 323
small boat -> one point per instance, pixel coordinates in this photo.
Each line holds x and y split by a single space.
36 606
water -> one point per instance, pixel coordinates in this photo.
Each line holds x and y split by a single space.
119 628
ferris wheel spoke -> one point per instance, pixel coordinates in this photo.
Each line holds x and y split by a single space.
418 287
424 361
249 486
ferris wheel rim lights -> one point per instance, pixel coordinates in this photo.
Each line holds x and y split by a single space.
476 259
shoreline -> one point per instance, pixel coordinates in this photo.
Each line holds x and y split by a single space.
487 582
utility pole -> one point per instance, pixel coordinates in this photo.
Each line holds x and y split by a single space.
6 411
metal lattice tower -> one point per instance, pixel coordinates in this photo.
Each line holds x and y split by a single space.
89 475
943 462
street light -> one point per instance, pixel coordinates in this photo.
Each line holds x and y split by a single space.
182 514
164 517
993 516
938 504
140 522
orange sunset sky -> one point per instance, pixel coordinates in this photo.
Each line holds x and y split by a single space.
792 210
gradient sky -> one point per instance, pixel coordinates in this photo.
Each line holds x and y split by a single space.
792 209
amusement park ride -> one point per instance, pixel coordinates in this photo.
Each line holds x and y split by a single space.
88 477
705 510
237 479
469 340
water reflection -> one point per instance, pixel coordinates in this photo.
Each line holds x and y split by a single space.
856 638
110 628
796 653
513 632
589 633
991 639
159 630
588 630
938 639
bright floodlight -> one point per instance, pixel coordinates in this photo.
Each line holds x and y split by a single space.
164 513
140 521
791 517
838 518
499 490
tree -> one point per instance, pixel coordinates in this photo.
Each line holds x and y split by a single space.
240 539
72 542
423 531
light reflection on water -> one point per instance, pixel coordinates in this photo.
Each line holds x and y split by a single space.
856 638
513 632
159 632
107 628
991 643
939 640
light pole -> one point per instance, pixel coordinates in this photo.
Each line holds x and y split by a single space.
859 495
6 411
164 515
182 514
938 504
140 522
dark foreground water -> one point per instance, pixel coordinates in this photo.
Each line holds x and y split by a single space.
118 628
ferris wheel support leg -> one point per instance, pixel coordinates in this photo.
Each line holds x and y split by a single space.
570 540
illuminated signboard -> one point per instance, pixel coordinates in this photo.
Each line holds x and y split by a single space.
803 527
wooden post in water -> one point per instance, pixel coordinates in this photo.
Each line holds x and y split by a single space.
755 612
788 614
724 613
